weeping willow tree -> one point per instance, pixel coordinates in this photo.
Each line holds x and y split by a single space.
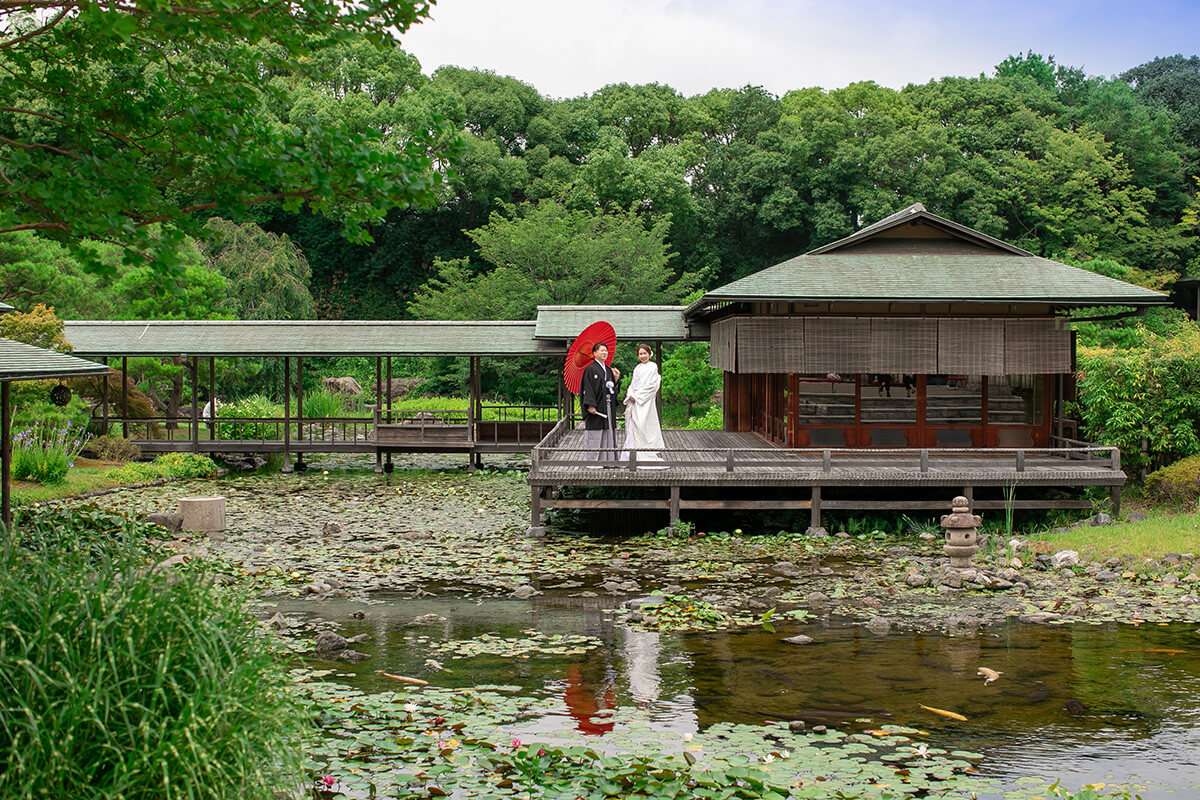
268 275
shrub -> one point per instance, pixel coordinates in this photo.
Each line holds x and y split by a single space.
1127 395
114 448
711 420
168 465
254 406
44 451
133 683
1178 483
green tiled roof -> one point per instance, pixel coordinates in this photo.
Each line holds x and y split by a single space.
632 323
24 362
958 277
306 338
5 308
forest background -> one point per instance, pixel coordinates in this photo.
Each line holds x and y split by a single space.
638 194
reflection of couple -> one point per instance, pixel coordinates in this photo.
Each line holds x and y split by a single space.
597 396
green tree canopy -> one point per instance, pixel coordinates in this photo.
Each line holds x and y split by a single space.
547 254
267 275
118 117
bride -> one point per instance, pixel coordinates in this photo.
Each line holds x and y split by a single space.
641 409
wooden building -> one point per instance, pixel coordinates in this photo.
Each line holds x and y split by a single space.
913 332
917 358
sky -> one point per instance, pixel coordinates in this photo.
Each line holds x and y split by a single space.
568 48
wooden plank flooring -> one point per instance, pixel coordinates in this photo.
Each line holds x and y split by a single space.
703 458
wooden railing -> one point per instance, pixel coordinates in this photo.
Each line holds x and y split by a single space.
825 460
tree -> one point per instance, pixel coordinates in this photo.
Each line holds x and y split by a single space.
547 254
1172 83
121 116
267 275
39 327
687 377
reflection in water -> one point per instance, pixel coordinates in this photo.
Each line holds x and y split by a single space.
1085 703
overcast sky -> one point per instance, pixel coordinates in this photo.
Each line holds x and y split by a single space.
567 48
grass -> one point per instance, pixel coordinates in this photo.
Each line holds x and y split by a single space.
1161 533
121 682
89 475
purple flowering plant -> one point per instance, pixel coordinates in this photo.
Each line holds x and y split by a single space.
44 451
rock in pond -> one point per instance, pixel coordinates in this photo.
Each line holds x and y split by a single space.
352 656
643 602
328 642
1063 559
172 522
799 639
524 592
785 569
879 625
1039 617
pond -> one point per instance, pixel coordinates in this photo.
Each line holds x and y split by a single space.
1102 704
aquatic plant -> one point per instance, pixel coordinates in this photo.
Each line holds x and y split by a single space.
45 451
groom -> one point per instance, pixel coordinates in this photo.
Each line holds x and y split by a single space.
598 391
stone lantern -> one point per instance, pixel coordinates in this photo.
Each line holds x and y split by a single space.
961 526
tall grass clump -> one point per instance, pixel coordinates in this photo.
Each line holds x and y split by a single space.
44 451
322 403
117 681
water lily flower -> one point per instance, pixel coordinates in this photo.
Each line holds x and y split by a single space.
328 780
687 737
768 758
410 707
785 753
515 742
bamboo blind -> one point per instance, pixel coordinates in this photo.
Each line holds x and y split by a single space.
970 346
1036 347
771 344
907 345
722 349
837 344
899 345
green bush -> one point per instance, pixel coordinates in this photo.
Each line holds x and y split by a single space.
169 466
1150 392
254 406
120 682
711 420
114 448
1177 484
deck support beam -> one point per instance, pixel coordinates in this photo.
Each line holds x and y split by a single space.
300 465
814 514
674 505
212 397
195 376
536 530
1115 496
387 466
104 398
125 398
287 415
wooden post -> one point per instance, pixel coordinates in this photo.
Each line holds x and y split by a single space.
924 460
378 452
814 517
658 357
535 512
124 397
793 409
969 493
1115 494
674 505
195 375
212 397
387 467
287 414
202 513
826 461
1020 461
1058 380
104 398
472 400
299 402
984 390
6 456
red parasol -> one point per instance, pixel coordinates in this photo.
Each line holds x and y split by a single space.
581 352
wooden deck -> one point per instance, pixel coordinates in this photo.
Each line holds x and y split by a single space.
695 463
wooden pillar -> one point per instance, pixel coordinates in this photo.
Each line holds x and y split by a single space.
535 511
969 493
378 412
299 401
125 397
674 505
104 398
212 397
984 389
472 403
195 375
387 467
6 456
814 516
1114 494
859 436
923 437
793 409
287 414
1058 414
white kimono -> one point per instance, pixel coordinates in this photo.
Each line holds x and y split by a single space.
642 429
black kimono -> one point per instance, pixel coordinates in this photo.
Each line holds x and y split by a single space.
595 391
